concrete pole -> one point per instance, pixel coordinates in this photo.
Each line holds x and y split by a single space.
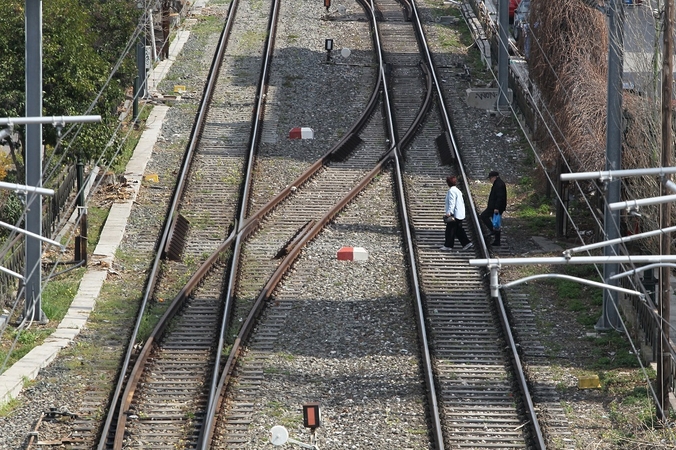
664 358
33 270
141 67
503 54
81 240
611 219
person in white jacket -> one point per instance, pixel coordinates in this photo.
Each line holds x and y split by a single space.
454 214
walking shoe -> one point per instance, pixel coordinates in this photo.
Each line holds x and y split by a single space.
444 248
468 246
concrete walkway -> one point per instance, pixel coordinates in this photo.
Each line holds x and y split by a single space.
28 367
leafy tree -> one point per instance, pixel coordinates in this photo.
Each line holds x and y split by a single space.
82 40
12 61
115 22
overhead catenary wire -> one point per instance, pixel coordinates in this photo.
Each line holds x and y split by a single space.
563 157
140 28
522 126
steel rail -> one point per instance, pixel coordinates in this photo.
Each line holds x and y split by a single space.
275 279
428 369
272 283
205 439
244 230
427 105
170 219
157 333
250 223
446 119
516 360
204 268
247 227
420 309
243 206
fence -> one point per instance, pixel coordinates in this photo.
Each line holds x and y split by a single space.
640 316
54 213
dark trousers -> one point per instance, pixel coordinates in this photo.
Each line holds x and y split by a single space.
454 229
487 218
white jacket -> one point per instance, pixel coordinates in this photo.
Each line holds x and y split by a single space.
455 205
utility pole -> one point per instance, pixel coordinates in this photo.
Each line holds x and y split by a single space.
33 274
611 219
33 121
664 357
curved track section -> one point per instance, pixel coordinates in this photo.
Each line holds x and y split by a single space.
289 226
474 372
476 387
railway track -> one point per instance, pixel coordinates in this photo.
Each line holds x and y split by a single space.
349 363
188 359
167 391
476 413
170 363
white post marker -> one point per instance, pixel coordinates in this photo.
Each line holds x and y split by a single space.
280 436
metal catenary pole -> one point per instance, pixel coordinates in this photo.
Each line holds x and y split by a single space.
33 122
664 358
609 318
503 54
33 19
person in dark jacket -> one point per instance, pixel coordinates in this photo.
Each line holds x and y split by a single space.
497 203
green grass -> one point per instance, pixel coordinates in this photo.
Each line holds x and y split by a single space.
537 214
631 395
612 351
26 340
118 297
252 40
58 294
96 217
6 409
277 410
450 41
148 323
583 300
